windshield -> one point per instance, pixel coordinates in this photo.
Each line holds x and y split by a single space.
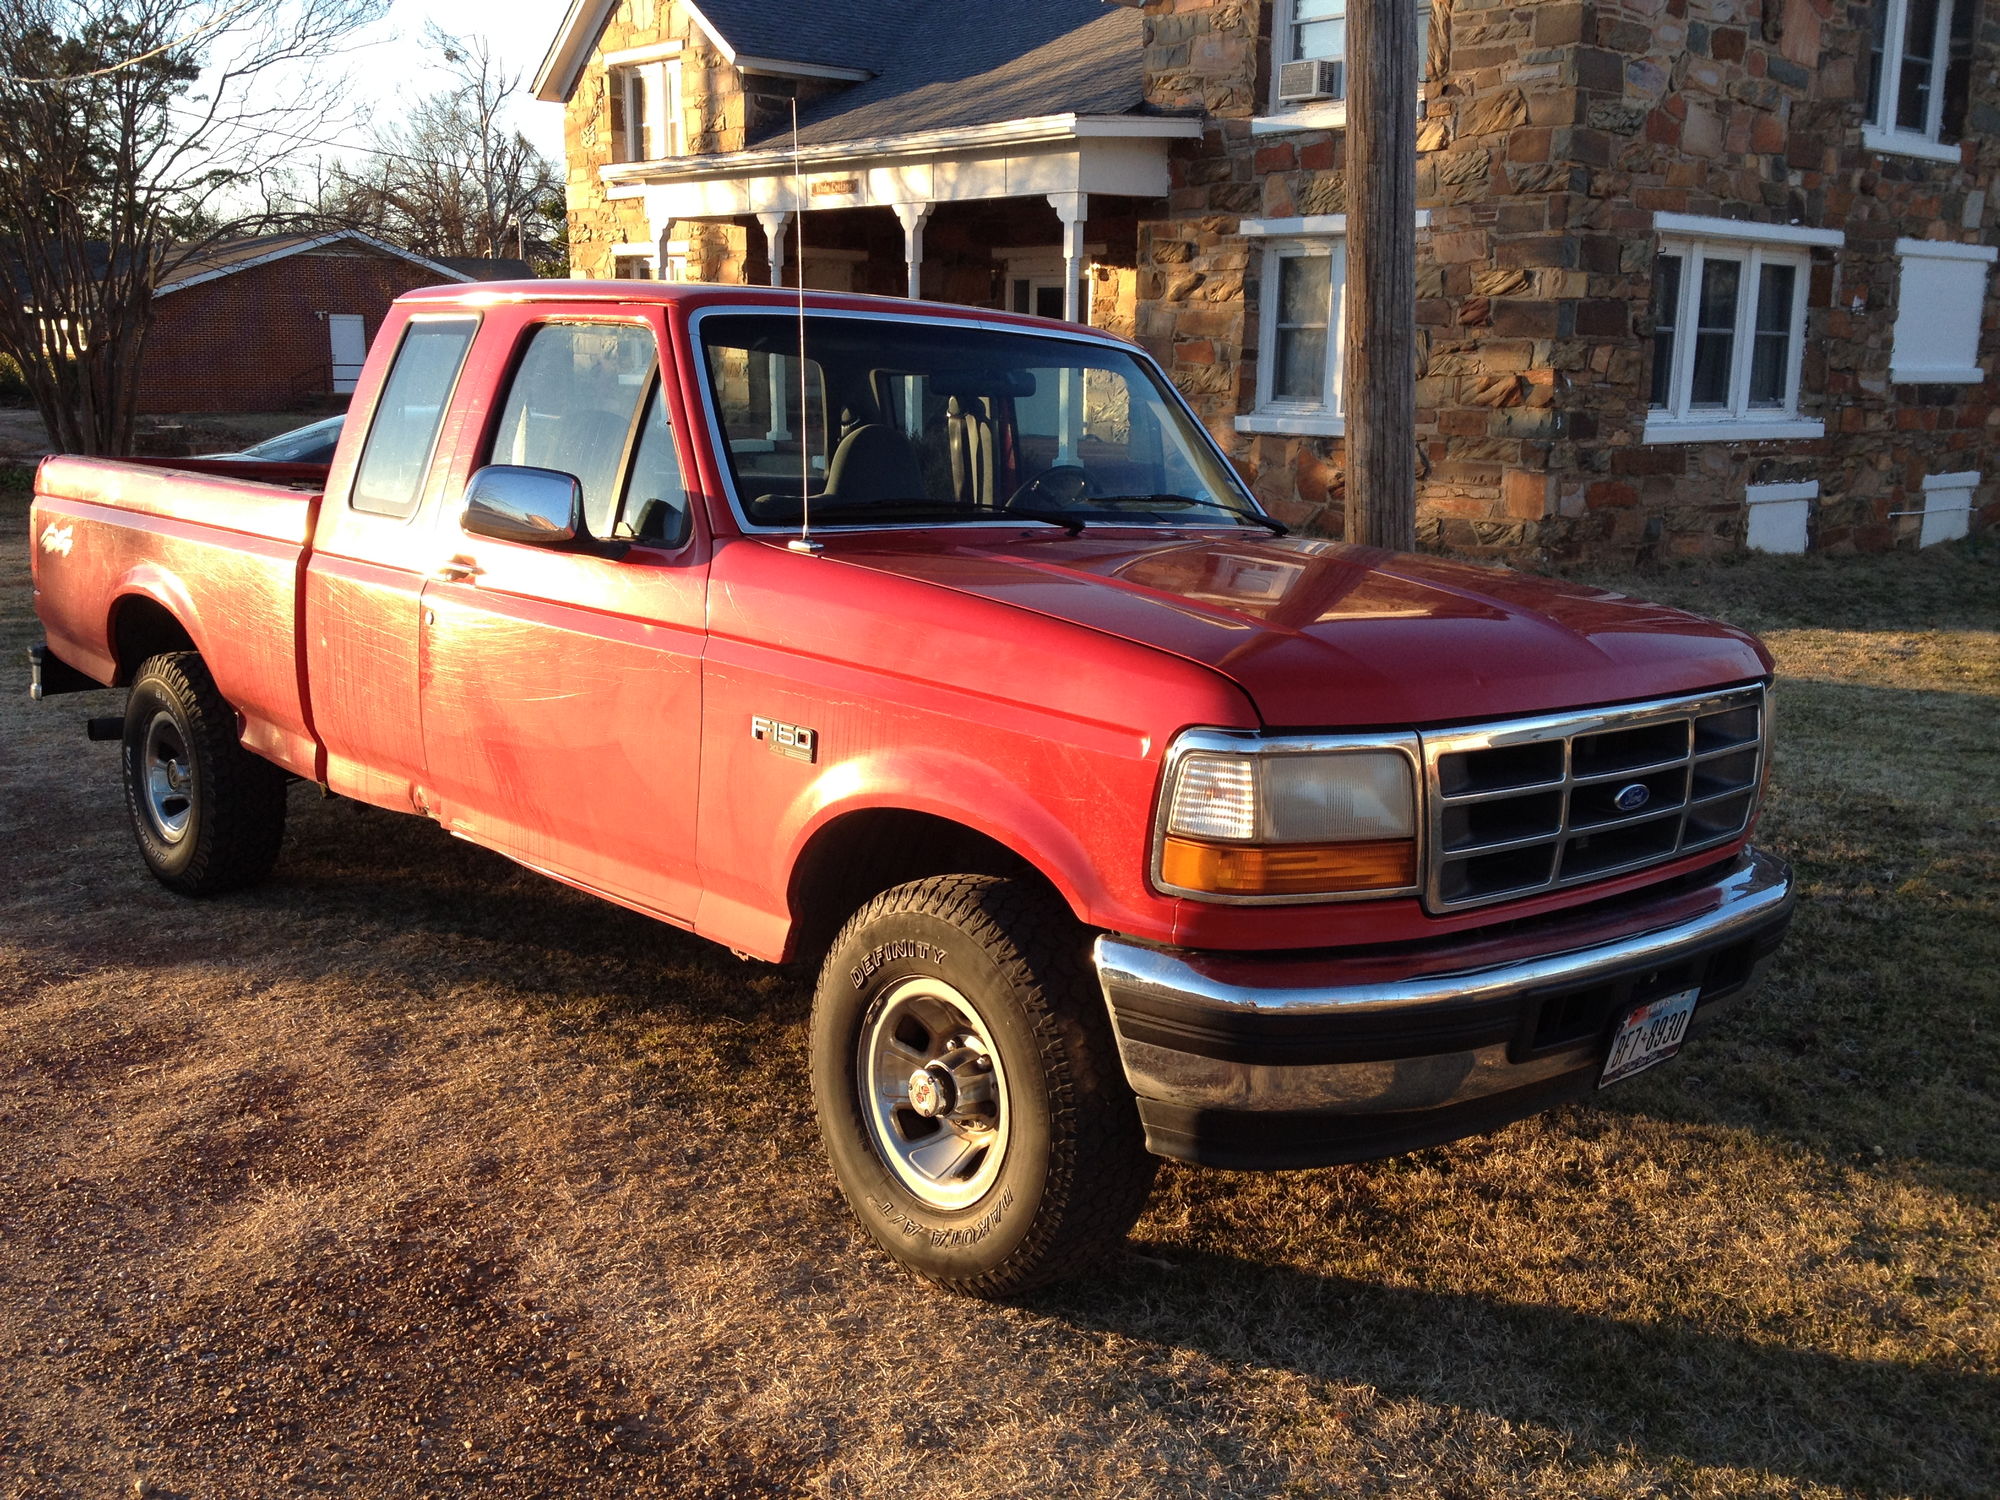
887 423
304 445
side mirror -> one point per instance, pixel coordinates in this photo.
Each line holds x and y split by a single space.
539 507
512 503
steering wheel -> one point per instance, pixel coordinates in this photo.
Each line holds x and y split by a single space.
1059 487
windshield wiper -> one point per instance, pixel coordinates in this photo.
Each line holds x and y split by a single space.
1185 502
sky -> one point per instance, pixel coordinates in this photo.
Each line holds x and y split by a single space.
518 31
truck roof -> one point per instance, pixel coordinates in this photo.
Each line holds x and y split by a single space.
691 295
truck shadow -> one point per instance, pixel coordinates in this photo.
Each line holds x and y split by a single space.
1668 1392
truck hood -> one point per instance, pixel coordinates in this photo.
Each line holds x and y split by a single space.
1323 635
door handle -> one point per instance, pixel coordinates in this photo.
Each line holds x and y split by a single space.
458 570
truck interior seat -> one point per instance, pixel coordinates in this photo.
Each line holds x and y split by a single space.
972 478
874 462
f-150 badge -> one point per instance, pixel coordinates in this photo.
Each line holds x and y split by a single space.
58 539
794 740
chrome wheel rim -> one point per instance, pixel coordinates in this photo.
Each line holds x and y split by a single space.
169 774
934 1092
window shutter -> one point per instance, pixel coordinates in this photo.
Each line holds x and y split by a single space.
614 86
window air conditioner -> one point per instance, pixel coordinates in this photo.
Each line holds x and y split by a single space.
1313 78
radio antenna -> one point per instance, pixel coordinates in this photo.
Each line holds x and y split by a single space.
803 542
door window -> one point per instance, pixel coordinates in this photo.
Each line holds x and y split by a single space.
390 477
654 506
574 406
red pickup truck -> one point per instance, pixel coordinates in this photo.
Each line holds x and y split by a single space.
945 647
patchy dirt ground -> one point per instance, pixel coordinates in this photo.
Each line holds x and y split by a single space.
414 1174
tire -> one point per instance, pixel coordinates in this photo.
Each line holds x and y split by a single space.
208 814
1011 1154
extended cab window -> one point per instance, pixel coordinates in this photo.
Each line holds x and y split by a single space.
585 396
390 477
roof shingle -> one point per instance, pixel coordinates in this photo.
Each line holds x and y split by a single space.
940 65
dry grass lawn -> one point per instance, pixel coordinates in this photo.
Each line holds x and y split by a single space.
412 1173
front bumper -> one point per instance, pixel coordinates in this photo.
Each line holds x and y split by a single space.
1302 1060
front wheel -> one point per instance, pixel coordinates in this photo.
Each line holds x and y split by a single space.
209 815
968 1086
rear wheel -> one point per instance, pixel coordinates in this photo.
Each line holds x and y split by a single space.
208 814
968 1086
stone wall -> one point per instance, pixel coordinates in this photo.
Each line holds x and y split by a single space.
715 111
1752 109
1552 133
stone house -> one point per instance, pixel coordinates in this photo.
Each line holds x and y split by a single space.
1692 274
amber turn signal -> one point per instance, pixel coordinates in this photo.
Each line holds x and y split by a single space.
1288 869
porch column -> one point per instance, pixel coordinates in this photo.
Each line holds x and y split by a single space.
912 216
775 226
1072 209
780 430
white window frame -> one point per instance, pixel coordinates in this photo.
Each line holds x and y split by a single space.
674 264
639 251
1044 269
1325 417
1280 237
1327 114
650 135
1696 240
1882 133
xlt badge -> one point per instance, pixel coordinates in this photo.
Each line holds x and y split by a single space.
794 740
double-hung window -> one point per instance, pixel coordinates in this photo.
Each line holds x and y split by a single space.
1301 319
1309 63
646 121
1728 314
1919 66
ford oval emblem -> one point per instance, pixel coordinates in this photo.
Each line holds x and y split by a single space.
1632 798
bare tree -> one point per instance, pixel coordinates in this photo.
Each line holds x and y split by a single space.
450 178
131 134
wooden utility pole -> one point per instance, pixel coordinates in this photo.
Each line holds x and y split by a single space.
1379 364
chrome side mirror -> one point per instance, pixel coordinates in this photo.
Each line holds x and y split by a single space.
513 503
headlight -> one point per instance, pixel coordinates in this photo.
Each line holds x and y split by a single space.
1288 820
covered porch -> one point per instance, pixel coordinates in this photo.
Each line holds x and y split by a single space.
1034 216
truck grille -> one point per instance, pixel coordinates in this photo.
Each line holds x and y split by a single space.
1543 804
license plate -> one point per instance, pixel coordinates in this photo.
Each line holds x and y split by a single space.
1651 1034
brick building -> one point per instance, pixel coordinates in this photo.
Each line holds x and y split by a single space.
1692 273
272 322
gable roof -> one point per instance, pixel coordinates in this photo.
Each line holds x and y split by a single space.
227 257
916 64
1024 61
833 33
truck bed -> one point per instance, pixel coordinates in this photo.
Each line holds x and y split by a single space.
125 548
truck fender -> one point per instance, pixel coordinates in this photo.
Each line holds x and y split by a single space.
954 789
152 583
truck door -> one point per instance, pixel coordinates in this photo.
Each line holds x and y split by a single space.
560 689
370 554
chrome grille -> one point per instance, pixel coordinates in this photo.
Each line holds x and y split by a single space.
1543 804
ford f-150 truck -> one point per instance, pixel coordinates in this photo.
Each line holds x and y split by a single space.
945 647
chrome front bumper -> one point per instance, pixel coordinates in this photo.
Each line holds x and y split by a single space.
1292 1060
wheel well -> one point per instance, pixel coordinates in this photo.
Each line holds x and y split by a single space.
142 628
863 854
